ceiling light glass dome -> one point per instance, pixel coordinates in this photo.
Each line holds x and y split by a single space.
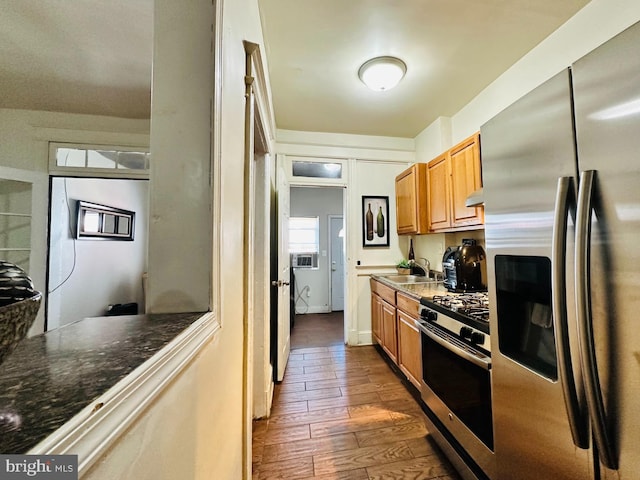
382 73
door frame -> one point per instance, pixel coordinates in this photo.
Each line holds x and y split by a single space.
330 245
342 183
259 129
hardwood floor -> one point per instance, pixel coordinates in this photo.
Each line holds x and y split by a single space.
342 413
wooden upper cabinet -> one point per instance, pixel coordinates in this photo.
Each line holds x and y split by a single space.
451 178
411 204
466 177
438 175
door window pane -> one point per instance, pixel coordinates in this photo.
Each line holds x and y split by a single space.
87 158
317 169
71 157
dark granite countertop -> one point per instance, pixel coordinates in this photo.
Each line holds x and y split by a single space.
51 377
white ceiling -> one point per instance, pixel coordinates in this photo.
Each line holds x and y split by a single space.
452 48
94 56
80 56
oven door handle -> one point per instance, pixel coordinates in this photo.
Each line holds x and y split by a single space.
484 363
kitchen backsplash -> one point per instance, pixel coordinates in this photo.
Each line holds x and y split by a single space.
432 246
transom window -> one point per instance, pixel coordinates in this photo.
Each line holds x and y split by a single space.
110 160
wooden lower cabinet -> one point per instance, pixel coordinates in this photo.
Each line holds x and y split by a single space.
393 328
390 342
409 350
376 314
383 325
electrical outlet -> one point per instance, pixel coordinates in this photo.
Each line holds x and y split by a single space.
308 292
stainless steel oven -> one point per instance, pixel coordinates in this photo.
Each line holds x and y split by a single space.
456 378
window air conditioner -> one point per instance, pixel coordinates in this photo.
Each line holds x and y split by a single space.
304 260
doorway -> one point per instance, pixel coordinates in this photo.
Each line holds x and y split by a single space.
86 276
319 286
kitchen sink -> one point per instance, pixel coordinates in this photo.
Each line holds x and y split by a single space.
409 279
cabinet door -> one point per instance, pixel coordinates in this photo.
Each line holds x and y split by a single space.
411 211
438 193
465 179
376 313
409 349
389 330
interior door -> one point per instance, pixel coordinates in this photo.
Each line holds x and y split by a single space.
282 283
336 231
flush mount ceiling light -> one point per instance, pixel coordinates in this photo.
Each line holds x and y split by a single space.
382 73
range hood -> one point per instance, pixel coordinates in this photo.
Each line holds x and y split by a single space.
476 198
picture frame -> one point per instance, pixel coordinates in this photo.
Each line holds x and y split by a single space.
375 221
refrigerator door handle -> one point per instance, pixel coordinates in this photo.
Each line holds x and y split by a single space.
564 200
593 391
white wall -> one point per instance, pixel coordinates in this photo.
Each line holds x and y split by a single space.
102 272
315 202
596 23
181 146
219 425
221 428
174 439
371 178
433 140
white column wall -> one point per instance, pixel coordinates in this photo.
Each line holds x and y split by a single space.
180 231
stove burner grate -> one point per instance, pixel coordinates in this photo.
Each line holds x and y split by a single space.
475 305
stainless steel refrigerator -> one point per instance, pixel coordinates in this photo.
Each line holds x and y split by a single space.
561 174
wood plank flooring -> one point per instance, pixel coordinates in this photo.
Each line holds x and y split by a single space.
341 413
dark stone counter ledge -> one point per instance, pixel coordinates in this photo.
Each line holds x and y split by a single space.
51 377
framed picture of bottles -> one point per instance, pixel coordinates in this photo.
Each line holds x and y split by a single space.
375 221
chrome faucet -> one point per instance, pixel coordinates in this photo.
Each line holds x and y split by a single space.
427 266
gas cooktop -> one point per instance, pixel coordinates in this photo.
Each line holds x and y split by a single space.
475 305
469 308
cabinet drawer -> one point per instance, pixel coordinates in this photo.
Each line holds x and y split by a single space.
408 305
385 292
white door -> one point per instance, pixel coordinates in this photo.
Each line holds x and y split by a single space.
336 242
282 283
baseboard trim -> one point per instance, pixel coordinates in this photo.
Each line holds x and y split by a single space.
312 309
